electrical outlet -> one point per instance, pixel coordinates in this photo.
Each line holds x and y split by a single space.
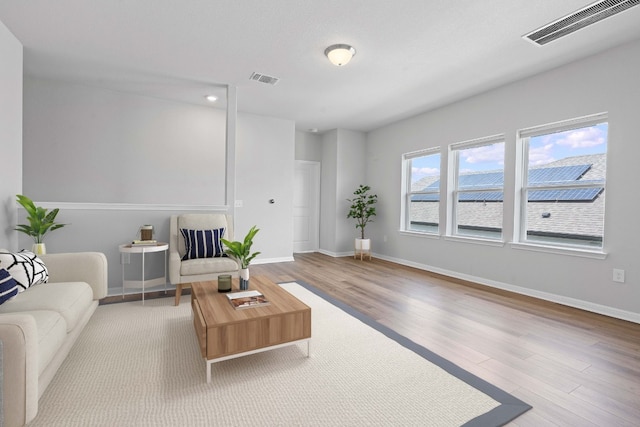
618 275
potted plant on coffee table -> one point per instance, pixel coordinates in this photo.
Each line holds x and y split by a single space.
40 223
241 252
362 209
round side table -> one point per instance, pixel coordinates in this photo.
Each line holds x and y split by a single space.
145 249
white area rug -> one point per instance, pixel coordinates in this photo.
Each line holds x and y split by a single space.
138 365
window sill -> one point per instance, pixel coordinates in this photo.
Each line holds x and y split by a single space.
584 253
475 241
420 234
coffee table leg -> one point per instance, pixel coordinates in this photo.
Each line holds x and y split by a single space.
209 363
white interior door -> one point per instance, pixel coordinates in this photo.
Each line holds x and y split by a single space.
306 206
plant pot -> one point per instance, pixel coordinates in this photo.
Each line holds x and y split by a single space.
363 248
244 279
39 249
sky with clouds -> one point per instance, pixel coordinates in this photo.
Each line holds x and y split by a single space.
542 150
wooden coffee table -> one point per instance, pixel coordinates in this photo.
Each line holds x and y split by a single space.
226 333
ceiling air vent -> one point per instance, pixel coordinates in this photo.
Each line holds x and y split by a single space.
263 78
580 19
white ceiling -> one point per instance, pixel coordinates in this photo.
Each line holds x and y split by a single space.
412 55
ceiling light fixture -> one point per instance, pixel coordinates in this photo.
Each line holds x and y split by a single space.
340 54
211 98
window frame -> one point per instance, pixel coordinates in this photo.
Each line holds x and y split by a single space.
407 192
522 186
454 191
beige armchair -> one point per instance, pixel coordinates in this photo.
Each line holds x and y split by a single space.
199 264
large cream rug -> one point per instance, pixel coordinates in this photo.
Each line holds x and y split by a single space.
138 365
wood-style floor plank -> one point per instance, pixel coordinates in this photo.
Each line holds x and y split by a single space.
574 367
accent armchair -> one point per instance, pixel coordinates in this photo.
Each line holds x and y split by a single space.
195 249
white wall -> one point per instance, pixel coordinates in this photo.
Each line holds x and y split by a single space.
607 82
343 170
308 146
10 135
96 137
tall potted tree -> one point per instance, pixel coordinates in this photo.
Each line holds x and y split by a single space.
362 209
40 223
241 252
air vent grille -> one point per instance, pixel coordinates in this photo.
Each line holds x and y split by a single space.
263 78
580 19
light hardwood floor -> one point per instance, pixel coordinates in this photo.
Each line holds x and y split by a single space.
575 368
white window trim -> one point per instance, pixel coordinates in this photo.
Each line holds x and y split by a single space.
452 185
406 193
522 151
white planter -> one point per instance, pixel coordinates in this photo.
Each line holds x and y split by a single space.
363 248
363 244
39 249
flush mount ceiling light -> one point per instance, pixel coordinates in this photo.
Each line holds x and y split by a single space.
211 98
340 54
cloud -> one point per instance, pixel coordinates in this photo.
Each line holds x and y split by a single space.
425 171
493 153
541 155
582 138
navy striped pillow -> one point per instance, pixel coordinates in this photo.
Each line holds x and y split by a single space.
202 243
8 286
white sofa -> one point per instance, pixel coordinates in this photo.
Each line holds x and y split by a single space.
40 325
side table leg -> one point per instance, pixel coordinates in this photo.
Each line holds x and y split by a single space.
143 277
209 363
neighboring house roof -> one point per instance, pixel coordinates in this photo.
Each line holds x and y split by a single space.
576 212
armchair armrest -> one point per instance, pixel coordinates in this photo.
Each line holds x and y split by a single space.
174 266
90 267
19 337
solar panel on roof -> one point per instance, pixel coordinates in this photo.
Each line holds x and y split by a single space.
488 179
571 195
538 176
557 174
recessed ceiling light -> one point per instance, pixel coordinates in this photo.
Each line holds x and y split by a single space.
211 98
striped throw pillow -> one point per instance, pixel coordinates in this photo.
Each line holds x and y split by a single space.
8 286
202 243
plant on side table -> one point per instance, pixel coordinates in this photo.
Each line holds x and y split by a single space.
362 209
241 252
40 223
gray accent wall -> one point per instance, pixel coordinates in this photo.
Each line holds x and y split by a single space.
101 146
607 82
10 135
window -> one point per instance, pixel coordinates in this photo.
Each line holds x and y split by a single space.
562 189
422 205
477 182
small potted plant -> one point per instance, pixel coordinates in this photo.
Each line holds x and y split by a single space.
40 222
362 209
241 252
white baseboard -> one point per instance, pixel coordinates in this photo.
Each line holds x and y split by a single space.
272 260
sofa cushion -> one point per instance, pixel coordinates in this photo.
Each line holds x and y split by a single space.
70 299
25 267
52 331
8 286
207 266
202 243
